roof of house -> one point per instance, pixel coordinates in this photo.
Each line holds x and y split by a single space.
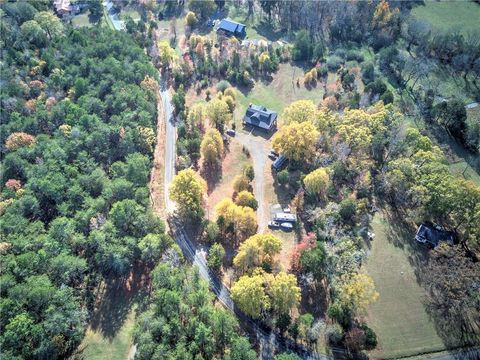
62 5
433 235
231 26
260 116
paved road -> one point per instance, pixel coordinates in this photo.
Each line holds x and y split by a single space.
170 144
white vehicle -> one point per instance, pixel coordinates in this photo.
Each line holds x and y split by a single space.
285 217
273 225
286 210
286 225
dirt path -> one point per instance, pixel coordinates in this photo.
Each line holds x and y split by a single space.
156 185
258 148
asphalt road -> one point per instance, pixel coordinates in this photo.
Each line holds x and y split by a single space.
170 143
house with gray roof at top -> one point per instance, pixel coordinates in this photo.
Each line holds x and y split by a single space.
260 117
232 28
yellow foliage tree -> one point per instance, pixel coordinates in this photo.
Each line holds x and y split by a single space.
316 181
211 147
256 251
218 113
357 292
241 218
284 292
191 18
296 141
165 53
241 183
187 191
300 111
250 296
246 198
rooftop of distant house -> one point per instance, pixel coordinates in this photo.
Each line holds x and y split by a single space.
62 5
260 116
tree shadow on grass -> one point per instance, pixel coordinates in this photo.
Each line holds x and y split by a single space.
314 299
116 298
212 173
268 31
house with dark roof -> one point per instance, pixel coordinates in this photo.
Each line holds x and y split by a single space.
260 117
432 235
232 28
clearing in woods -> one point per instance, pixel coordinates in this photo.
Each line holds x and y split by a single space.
398 316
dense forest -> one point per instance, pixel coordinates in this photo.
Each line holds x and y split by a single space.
364 131
77 128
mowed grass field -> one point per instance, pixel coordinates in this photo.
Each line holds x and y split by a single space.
445 15
279 92
97 347
398 316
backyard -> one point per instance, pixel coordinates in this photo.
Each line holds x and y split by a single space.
445 15
398 316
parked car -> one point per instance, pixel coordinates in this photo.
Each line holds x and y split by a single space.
273 225
273 152
279 163
231 132
286 210
286 226
272 157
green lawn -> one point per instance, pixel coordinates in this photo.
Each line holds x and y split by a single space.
133 13
462 168
280 92
398 316
97 347
81 20
445 15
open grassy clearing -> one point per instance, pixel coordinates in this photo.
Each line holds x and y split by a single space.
448 15
82 20
98 347
398 316
280 92
130 11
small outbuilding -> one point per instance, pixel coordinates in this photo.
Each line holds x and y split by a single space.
260 117
232 28
433 235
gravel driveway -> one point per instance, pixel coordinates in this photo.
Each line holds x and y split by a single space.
259 148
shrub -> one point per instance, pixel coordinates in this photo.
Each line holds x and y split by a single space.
353 55
348 209
334 333
191 18
370 337
249 172
241 183
229 92
340 52
282 177
368 73
223 85
334 63
387 97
